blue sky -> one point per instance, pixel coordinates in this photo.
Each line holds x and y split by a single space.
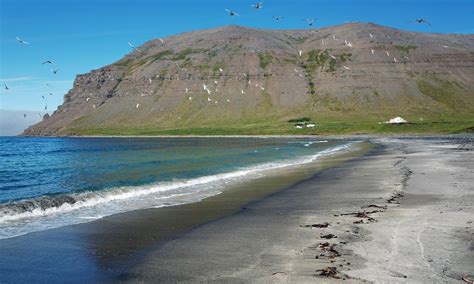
81 35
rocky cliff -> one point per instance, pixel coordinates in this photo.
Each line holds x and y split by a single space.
243 78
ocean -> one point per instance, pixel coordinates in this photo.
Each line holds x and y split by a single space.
52 182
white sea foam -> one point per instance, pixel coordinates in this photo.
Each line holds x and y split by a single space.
50 212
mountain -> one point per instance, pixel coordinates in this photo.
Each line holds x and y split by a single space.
358 73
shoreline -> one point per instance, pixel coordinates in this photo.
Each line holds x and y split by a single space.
322 136
379 222
117 242
383 216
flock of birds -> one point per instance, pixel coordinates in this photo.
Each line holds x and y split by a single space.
46 62
258 6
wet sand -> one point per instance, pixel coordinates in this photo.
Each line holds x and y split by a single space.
267 230
419 228
106 249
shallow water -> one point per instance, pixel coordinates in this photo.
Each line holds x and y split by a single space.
51 182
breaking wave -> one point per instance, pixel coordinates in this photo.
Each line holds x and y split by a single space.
98 203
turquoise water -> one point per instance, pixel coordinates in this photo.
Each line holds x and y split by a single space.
51 182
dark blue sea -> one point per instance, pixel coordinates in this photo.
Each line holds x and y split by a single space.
51 182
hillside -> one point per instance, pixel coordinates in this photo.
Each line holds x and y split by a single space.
257 81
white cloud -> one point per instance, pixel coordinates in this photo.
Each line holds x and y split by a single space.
16 79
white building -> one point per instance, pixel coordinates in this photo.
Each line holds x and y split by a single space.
396 120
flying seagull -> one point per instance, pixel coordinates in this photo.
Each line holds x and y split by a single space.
388 53
422 21
345 67
371 35
348 43
6 87
137 106
21 41
258 6
300 53
310 22
206 89
231 13
277 17
334 38
50 94
372 51
45 107
162 41
55 71
43 97
242 91
24 115
395 60
47 62
134 47
333 57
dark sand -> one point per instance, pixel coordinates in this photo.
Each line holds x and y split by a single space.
108 248
255 232
424 236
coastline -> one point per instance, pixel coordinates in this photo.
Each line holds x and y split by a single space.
384 224
108 247
302 136
272 234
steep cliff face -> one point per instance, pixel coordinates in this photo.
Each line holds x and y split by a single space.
241 77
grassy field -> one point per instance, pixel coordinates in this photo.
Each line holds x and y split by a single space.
445 125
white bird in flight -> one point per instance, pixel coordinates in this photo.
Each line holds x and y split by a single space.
300 52
372 51
348 43
190 98
87 99
242 91
137 106
371 35
388 53
161 40
134 47
186 90
333 57
334 38
221 70
6 87
395 60
345 67
310 22
206 89
21 41
231 13
209 99
47 62
258 6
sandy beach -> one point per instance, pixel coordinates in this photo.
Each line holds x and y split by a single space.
396 210
401 213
